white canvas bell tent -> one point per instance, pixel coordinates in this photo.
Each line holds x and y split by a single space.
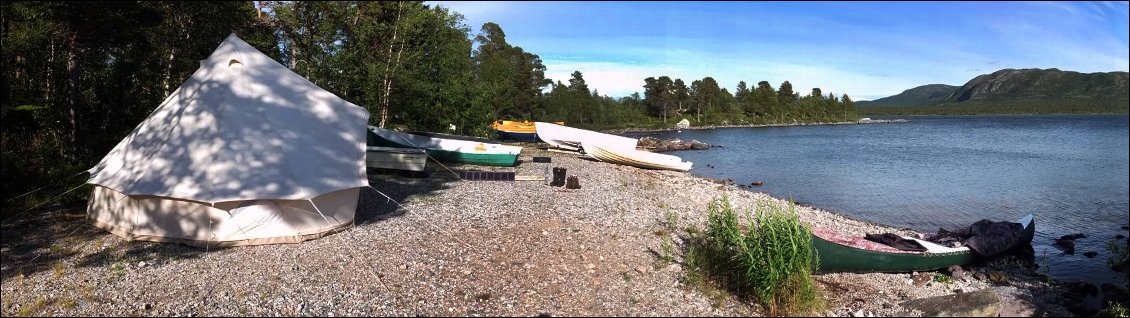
245 152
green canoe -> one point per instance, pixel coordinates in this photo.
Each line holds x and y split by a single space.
448 149
835 256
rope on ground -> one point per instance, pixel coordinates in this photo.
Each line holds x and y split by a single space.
429 224
42 203
49 185
354 251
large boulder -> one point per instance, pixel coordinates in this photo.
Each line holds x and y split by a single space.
656 145
982 303
683 124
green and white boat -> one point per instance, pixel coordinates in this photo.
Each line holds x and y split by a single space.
838 253
447 149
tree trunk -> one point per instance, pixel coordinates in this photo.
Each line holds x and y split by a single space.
72 87
389 64
172 58
48 90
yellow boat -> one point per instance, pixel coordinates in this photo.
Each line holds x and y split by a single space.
516 130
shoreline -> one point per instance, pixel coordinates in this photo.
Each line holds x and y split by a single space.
860 122
512 248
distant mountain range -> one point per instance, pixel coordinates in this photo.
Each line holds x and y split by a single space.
1048 88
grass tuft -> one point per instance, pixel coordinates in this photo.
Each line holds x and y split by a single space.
33 308
766 254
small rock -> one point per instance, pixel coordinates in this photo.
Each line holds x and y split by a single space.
998 277
858 313
590 266
1090 254
1114 293
980 276
1119 237
641 269
572 183
1081 288
920 279
956 272
141 264
1073 236
1065 245
981 303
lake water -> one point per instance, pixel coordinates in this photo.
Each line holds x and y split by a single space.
946 172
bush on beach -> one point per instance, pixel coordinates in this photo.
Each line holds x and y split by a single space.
767 254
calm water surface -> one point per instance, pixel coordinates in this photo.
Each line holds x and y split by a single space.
946 172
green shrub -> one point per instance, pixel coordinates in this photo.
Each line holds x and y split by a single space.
769 256
1120 255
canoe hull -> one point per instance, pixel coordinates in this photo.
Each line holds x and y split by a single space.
448 150
840 258
482 159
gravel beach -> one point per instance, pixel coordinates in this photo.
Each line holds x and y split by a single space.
458 248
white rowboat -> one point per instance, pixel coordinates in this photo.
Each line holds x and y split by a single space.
569 138
630 156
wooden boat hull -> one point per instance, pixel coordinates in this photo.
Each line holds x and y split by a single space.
633 157
840 258
448 150
410 159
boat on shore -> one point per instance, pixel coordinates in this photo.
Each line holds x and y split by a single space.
448 150
450 136
396 158
569 138
613 153
839 253
515 130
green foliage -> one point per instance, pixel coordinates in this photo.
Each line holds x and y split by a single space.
34 308
667 248
1120 255
1114 309
672 219
943 278
769 256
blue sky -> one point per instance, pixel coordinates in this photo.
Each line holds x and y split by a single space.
867 50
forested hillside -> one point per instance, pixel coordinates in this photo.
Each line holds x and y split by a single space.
1014 91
